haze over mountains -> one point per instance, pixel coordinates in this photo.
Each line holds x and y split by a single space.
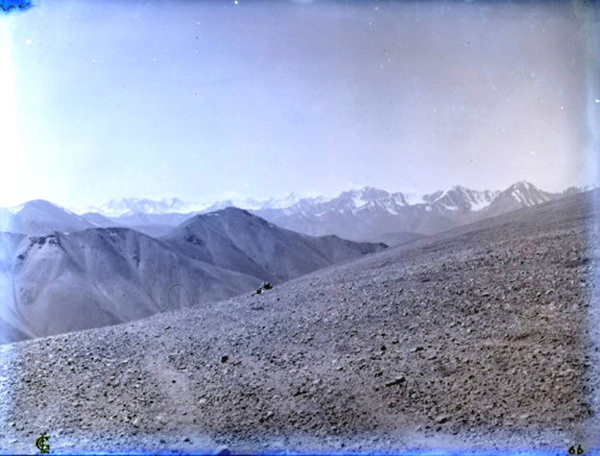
41 217
101 270
366 214
363 214
78 276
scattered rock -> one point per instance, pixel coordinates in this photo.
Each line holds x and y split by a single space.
397 381
441 419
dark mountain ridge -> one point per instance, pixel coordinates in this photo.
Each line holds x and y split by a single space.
238 240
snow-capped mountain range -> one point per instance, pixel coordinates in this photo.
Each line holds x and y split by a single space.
56 262
455 198
127 207
366 213
369 213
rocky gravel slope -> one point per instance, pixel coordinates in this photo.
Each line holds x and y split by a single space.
474 338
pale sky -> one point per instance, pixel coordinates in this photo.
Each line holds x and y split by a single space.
195 99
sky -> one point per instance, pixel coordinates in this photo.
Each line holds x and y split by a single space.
198 99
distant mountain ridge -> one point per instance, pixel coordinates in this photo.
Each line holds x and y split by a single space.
369 213
130 206
67 281
42 217
461 199
56 262
519 195
237 240
364 214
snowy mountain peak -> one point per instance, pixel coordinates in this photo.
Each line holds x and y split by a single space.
130 206
519 195
281 202
459 198
528 194
431 197
372 193
355 199
464 199
524 186
367 200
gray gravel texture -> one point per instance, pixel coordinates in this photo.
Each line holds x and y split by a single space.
476 338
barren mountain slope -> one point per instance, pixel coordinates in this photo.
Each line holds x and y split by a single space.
235 239
42 217
397 238
98 277
481 333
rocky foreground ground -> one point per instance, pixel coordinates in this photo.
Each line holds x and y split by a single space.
476 338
